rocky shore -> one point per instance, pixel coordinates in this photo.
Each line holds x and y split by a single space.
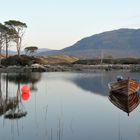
68 67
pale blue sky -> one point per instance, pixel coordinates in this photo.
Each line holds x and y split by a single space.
56 24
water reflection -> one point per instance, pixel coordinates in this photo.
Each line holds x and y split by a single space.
11 107
24 78
64 108
125 103
94 83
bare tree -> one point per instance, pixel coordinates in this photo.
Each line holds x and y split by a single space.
6 35
19 28
2 40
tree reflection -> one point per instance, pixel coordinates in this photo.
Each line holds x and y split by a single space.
18 111
24 78
6 103
0 88
11 106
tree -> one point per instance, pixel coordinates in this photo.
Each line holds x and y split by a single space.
19 28
31 50
6 35
109 57
1 37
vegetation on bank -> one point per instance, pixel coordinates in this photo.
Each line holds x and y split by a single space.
24 60
109 61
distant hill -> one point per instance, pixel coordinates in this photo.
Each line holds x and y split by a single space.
116 43
40 50
10 52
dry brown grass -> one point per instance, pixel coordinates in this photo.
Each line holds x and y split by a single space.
2 56
27 60
59 59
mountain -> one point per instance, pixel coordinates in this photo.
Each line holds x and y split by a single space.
116 43
10 52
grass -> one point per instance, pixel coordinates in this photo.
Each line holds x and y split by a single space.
109 61
24 60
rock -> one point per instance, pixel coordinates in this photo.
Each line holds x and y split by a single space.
38 68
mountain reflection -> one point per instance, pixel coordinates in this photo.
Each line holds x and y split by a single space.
125 103
94 84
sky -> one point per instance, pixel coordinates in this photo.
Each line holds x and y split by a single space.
56 24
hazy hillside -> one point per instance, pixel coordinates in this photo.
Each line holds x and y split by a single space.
117 43
10 52
40 50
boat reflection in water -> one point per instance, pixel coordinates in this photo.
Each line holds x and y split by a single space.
123 102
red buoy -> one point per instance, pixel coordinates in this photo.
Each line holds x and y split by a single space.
25 92
25 96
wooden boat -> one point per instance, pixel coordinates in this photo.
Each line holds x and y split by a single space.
125 87
125 103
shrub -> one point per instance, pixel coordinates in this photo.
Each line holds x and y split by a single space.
19 61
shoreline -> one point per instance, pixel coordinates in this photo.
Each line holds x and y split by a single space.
70 68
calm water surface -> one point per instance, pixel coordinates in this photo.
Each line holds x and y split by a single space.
64 106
